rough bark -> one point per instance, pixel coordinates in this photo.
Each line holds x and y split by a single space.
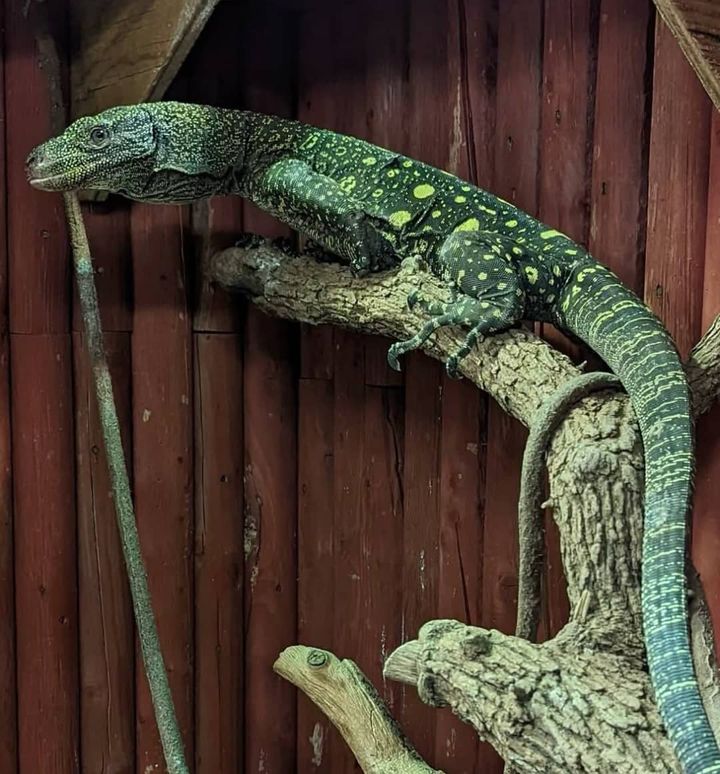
581 701
349 700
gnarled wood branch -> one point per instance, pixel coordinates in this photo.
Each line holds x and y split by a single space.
583 700
349 700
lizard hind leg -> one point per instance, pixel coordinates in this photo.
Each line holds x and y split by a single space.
487 295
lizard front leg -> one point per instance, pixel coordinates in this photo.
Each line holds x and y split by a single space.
317 206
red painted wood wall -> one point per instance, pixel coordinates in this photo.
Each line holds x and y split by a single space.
289 487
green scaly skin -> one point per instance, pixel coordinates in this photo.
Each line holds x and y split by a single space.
373 207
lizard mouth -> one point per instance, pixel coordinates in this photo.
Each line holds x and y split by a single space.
50 183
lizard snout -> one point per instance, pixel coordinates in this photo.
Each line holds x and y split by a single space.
34 162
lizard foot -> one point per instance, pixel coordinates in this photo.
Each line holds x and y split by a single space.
393 356
433 308
401 347
452 367
371 250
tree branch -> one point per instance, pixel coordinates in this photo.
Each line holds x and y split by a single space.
349 700
541 706
703 369
519 370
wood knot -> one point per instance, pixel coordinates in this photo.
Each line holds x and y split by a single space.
317 658
476 646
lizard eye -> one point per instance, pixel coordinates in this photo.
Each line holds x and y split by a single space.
99 136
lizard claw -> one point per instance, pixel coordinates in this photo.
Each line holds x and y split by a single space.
392 357
412 299
452 367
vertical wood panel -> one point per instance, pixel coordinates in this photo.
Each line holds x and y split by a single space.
38 247
706 532
677 212
216 224
270 530
270 386
107 664
45 553
349 621
8 684
566 120
316 592
382 532
219 652
618 204
163 461
8 663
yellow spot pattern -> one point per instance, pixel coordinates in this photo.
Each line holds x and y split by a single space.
471 224
400 218
423 190
532 274
511 223
436 213
460 199
370 160
310 142
550 234
348 183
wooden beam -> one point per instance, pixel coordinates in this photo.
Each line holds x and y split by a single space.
696 25
129 52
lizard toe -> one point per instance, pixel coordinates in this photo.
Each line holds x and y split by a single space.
452 367
392 357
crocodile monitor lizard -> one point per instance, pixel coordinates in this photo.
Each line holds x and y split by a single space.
374 207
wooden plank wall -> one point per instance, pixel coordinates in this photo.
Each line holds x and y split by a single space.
289 486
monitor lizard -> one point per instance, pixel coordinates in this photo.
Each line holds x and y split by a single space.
374 207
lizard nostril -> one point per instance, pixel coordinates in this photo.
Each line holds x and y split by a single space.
36 157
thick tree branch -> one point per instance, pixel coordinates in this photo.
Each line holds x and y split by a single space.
540 705
519 370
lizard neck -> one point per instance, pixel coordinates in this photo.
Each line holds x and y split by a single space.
265 140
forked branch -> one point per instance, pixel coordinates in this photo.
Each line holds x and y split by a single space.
581 701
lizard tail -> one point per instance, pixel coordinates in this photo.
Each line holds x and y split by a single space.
618 326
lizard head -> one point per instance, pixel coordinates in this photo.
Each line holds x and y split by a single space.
102 152
161 152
